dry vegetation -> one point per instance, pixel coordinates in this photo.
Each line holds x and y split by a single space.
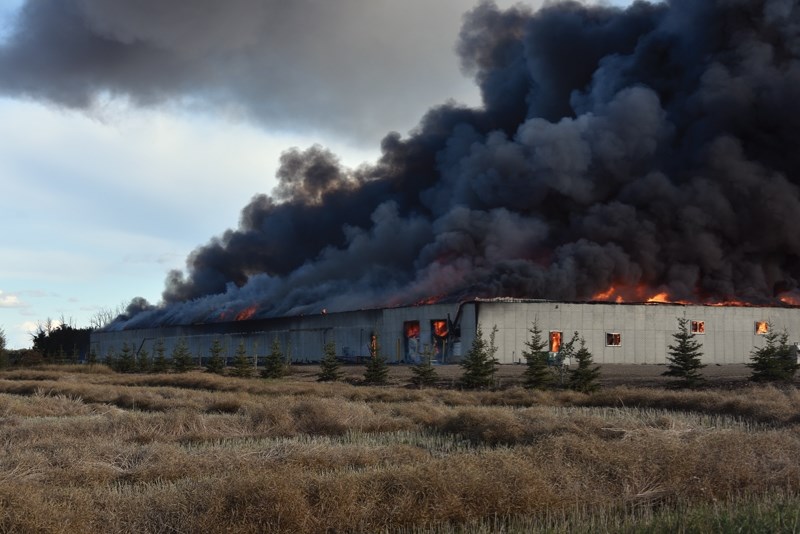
101 452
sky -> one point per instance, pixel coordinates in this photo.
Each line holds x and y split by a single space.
135 130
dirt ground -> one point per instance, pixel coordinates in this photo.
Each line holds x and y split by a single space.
635 375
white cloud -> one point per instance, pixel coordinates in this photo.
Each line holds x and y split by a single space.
10 301
27 327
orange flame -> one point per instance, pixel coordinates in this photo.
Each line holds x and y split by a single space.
791 299
638 293
555 341
608 295
411 329
728 302
762 327
429 300
246 313
642 293
439 328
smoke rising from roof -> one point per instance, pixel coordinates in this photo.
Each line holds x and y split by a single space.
647 146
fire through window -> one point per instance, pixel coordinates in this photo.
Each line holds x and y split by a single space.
698 327
555 341
762 328
613 339
439 328
411 329
439 339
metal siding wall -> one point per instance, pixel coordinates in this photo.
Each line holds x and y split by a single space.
394 318
646 330
469 316
303 337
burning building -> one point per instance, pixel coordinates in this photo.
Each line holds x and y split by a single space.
614 332
618 155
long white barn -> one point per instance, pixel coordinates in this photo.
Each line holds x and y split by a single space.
614 333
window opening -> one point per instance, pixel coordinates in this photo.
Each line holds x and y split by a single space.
698 327
439 333
555 340
762 328
613 339
411 338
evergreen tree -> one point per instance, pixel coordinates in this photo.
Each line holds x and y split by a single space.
75 356
216 363
684 357
143 361
160 362
3 353
565 355
424 371
567 350
773 362
329 366
61 356
242 365
91 358
480 364
111 359
126 363
181 357
274 365
584 377
377 371
538 374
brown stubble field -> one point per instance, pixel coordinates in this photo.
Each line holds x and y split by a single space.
87 450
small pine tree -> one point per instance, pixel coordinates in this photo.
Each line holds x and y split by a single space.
329 366
424 371
480 364
181 357
143 361
537 373
216 362
242 365
3 353
377 371
565 355
126 363
684 357
110 359
584 377
160 362
91 358
274 366
773 362
75 356
567 350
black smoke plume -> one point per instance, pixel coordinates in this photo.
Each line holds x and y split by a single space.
651 146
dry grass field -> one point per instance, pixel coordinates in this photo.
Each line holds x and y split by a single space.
87 450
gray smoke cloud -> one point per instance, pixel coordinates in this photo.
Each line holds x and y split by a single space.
332 66
650 146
